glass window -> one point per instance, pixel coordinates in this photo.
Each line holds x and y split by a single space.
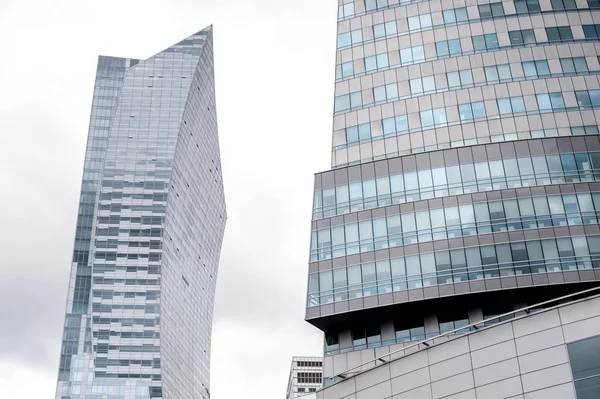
491 10
521 37
527 6
456 15
574 65
591 31
559 33
563 4
585 365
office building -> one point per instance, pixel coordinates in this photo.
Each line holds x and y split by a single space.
463 190
306 376
149 229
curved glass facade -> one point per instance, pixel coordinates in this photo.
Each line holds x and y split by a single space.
465 160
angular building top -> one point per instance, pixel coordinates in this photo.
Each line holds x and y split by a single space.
149 231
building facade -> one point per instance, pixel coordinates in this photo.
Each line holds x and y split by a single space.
306 376
149 230
465 173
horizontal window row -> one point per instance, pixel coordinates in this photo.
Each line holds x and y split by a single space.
453 266
450 48
106 308
449 17
456 221
495 9
507 106
454 80
494 138
456 180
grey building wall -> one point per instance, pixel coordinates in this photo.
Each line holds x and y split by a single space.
453 123
155 224
525 358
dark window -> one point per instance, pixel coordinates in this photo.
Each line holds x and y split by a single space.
521 37
485 42
585 364
594 3
491 10
559 33
591 31
563 4
574 65
526 6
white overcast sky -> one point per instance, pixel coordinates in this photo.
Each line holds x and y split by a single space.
274 70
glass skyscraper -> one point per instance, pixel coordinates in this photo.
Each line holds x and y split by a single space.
463 190
150 224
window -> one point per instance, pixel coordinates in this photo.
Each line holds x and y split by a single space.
591 31
448 48
411 55
585 365
511 105
358 133
460 78
332 343
536 69
344 70
453 325
521 37
498 73
594 3
359 338
574 65
422 85
346 11
408 334
559 33
588 98
395 125
485 42
491 10
372 5
527 6
349 38
376 62
549 102
386 29
471 111
348 101
433 118
563 4
582 130
386 93
419 22
455 15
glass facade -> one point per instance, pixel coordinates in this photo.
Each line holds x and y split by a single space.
465 165
149 230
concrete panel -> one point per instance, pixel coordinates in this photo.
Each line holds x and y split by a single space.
576 312
538 341
379 391
533 324
493 354
500 390
373 377
452 385
340 390
491 336
419 393
408 364
564 391
410 381
451 367
542 359
448 350
496 372
546 378
581 329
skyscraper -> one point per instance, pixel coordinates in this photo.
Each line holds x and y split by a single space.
306 376
463 191
149 230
